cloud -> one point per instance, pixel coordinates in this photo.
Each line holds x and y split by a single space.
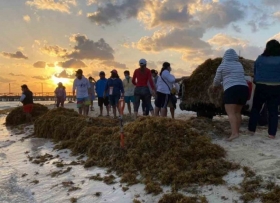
170 13
271 2
88 49
175 39
40 77
114 65
64 74
72 63
27 18
236 28
39 64
111 13
61 5
253 26
53 50
222 40
51 65
5 80
17 55
17 75
220 14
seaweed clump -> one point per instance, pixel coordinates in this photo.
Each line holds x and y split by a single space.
157 150
195 95
17 116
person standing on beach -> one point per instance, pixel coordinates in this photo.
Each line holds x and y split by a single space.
60 95
141 77
267 80
100 89
27 100
114 87
92 83
81 87
154 75
165 83
128 90
231 75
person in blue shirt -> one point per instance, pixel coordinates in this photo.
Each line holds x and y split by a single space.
267 80
114 88
100 89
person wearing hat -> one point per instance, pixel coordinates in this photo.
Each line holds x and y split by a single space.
100 89
60 95
114 88
92 91
142 79
81 87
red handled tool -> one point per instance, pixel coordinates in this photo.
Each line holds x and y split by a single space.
121 108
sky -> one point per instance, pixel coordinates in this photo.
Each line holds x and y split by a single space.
43 42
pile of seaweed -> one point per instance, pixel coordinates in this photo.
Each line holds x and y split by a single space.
158 151
196 87
17 116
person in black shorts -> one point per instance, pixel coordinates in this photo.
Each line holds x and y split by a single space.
100 89
230 74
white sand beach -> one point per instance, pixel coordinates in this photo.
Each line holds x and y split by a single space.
24 182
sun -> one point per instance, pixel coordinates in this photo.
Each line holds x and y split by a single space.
64 81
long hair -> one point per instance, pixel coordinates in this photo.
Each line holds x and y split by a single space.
165 66
114 75
272 48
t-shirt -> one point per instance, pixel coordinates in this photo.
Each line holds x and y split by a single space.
141 79
128 87
92 88
81 86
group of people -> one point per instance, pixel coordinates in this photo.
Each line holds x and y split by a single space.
230 74
144 84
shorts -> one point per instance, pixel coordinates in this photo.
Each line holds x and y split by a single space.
237 94
28 108
103 101
114 99
83 102
170 105
129 99
162 100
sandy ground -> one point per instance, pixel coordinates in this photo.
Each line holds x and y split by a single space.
258 152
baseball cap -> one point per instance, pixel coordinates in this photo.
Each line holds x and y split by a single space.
101 73
114 71
79 71
143 61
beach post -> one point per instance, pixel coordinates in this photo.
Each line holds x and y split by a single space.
121 109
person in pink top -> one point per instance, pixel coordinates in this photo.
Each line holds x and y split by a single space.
142 79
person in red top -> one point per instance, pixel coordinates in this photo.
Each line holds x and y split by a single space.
141 78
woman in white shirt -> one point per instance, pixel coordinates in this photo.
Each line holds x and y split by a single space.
164 85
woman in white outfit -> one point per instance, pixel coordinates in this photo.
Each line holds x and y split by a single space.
164 85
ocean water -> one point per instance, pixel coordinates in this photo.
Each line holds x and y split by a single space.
11 104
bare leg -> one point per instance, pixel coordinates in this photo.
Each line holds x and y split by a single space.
101 110
163 112
152 112
129 107
157 110
231 112
172 111
114 111
81 110
238 116
86 110
107 108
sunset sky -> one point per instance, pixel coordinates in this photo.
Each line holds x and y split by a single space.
43 41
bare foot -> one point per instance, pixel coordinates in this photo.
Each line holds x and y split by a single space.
271 137
232 137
